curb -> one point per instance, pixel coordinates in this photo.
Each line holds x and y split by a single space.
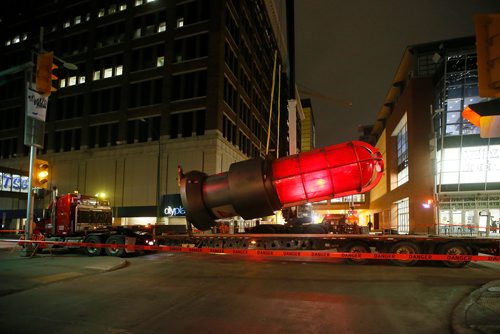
465 319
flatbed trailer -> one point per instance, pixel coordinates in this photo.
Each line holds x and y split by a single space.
348 243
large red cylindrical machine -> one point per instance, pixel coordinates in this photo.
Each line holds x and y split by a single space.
257 187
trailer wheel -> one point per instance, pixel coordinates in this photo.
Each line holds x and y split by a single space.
93 251
404 247
455 248
356 247
118 251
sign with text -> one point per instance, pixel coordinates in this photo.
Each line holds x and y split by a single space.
36 105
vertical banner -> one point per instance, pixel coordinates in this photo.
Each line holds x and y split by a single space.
36 105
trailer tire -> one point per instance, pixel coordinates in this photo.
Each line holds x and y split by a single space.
455 248
404 247
93 251
118 251
356 247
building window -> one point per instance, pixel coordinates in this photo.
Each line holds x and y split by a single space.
191 47
103 135
403 208
145 93
230 94
189 85
401 134
229 130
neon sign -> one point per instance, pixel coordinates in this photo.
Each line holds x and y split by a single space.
174 211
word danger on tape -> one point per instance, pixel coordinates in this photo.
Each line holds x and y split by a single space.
262 252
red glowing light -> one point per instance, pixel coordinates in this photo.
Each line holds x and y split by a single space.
334 171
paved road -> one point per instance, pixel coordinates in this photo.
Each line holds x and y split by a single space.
189 293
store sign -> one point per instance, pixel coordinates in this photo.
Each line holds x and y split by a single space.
172 206
14 183
174 211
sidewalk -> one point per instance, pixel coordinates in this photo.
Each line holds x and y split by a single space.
479 312
18 273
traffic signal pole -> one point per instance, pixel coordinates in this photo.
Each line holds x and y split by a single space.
28 248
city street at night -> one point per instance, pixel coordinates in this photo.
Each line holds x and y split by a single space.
189 293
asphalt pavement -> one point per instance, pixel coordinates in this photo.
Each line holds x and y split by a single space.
477 313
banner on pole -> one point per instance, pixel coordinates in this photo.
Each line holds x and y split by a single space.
36 105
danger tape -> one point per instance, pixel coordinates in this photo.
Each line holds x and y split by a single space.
264 252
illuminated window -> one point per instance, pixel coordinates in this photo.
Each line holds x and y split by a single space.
67 24
81 79
112 9
119 70
16 39
138 2
123 7
97 75
72 81
162 27
78 19
62 83
401 134
160 61
403 208
101 12
108 72
180 22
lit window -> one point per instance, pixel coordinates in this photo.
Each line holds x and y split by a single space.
403 216
81 79
25 37
180 22
123 7
97 75
62 83
108 73
101 12
16 39
112 9
67 24
7 43
72 81
162 27
148 1
160 61
137 33
119 70
78 19
401 134
87 18
138 2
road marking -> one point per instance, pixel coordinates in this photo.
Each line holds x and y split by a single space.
56 277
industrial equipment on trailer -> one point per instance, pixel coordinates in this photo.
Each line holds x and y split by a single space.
258 187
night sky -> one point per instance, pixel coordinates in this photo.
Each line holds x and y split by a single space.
348 52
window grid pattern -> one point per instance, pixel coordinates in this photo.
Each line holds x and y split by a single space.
403 208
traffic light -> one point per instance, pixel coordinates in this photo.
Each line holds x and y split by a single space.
40 173
488 54
44 76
